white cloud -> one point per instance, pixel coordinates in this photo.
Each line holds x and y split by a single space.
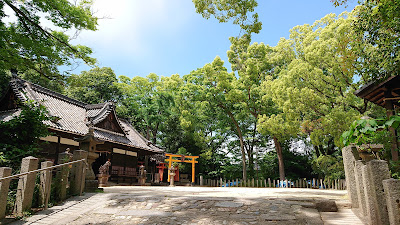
130 24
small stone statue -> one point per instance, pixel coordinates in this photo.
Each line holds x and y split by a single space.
142 175
105 168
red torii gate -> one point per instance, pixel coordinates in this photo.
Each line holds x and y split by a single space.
181 158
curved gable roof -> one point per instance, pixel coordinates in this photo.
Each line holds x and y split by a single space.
75 116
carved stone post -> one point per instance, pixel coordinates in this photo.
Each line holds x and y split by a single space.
63 173
78 172
392 193
360 186
350 155
378 171
4 186
45 183
88 143
26 185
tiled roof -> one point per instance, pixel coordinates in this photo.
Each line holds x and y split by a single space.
75 116
9 114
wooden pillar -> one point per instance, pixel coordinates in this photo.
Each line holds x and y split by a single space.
193 170
57 148
169 166
390 112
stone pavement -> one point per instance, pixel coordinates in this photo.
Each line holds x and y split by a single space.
198 205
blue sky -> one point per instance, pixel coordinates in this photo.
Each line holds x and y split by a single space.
168 37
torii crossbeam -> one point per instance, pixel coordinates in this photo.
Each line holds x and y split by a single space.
181 158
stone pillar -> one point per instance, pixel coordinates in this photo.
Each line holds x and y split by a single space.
392 193
378 171
350 154
359 186
78 172
63 173
201 180
371 215
45 183
26 185
4 186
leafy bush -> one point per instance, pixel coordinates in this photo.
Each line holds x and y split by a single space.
19 136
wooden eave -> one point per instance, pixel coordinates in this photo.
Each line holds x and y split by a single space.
379 93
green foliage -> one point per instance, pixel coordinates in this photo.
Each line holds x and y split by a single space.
27 43
316 80
240 11
54 84
19 136
296 165
328 166
4 80
363 131
370 131
377 27
94 86
145 102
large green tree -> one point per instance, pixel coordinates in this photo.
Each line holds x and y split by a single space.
36 38
145 103
319 81
213 87
97 85
241 12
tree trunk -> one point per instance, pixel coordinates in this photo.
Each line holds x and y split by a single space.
154 136
147 132
278 148
241 144
393 135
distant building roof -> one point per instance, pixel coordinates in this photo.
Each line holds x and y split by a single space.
76 116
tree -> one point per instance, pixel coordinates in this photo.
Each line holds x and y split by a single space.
319 81
26 43
213 87
19 136
252 65
240 11
145 103
97 85
377 25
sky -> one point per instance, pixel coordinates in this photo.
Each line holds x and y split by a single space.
138 37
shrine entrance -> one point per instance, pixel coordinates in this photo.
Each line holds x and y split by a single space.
181 158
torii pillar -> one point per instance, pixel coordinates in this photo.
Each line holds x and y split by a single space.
88 143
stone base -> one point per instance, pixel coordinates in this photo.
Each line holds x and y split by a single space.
91 185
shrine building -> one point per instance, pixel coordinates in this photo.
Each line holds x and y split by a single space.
71 120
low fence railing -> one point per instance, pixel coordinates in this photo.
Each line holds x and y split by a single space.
338 184
69 173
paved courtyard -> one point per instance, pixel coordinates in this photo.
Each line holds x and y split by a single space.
198 205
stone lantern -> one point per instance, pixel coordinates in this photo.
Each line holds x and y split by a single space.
88 143
172 174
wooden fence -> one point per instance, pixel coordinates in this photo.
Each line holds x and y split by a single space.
339 184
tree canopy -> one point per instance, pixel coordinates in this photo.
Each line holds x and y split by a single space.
36 39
